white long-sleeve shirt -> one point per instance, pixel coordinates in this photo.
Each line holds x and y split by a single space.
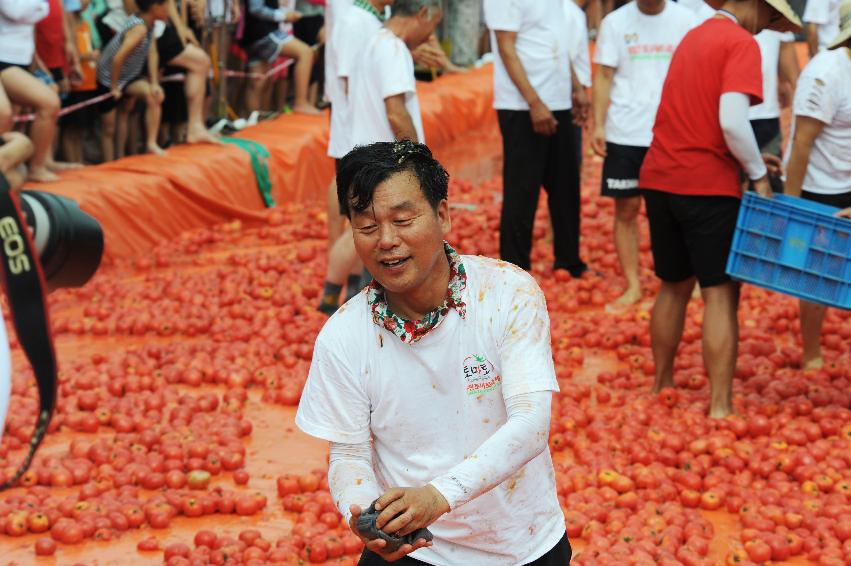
17 29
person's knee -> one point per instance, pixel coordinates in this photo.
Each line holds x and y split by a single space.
627 209
196 59
48 105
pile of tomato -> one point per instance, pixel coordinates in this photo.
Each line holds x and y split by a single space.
164 358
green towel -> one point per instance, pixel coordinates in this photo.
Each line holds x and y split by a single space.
259 154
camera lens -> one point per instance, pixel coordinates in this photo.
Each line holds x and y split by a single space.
69 242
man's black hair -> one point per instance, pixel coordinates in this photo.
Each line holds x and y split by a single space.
367 166
145 5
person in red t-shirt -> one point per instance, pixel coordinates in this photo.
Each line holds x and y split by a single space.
702 140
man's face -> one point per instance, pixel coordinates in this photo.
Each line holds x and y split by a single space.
400 236
425 25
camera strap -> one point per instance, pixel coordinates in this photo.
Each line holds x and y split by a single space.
26 290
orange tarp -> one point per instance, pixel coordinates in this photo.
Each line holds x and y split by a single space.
142 200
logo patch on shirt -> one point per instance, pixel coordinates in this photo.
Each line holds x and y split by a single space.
480 375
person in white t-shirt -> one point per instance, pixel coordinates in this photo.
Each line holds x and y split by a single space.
780 72
818 162
634 49
535 90
822 24
434 384
352 30
701 9
580 62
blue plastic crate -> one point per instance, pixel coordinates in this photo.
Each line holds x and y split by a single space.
793 246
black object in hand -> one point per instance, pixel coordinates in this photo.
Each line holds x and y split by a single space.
366 527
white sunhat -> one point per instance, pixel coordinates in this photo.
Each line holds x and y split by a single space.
844 25
789 21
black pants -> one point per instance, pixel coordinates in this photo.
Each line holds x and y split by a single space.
559 555
530 161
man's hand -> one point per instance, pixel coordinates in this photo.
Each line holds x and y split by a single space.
773 163
581 106
406 509
429 55
116 93
543 121
598 140
845 213
763 187
377 545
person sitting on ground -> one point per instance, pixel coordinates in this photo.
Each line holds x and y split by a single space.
120 71
355 27
434 387
690 180
178 46
382 102
818 166
17 48
268 35
634 49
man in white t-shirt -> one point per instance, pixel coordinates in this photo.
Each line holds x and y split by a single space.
780 72
353 27
818 162
634 49
534 88
434 384
701 9
383 102
822 24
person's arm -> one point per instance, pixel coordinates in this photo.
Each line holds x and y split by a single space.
788 71
259 10
812 39
154 73
601 91
132 38
807 129
70 22
740 139
400 119
579 98
24 11
543 121
186 34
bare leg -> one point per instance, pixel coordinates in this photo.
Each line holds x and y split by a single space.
303 55
107 135
626 243
812 317
720 344
24 89
255 88
197 65
72 144
5 111
122 126
153 111
666 328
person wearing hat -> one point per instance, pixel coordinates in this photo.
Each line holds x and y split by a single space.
819 161
690 177
821 18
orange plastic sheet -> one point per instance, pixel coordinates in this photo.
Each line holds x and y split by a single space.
142 200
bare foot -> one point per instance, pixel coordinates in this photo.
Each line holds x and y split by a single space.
660 384
813 364
720 412
306 108
59 166
155 149
629 298
201 134
42 175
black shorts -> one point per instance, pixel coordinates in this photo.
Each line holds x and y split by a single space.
82 117
842 200
559 555
169 45
690 236
621 169
4 65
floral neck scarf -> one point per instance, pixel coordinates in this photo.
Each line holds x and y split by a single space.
409 331
364 5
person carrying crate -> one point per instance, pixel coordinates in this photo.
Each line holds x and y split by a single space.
819 161
691 176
